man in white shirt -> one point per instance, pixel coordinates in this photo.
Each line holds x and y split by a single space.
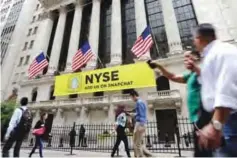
219 91
11 135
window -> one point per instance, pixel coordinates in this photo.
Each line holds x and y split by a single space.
29 32
156 21
105 32
27 60
128 30
85 24
35 30
34 94
33 20
25 46
51 96
31 44
21 61
37 7
15 78
186 20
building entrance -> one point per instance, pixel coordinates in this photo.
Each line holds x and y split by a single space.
166 123
48 125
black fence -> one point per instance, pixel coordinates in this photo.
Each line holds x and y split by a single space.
101 138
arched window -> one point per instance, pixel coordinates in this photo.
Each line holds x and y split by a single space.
162 83
34 94
51 96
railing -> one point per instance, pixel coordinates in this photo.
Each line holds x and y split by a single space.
70 102
96 100
170 94
101 138
173 95
120 98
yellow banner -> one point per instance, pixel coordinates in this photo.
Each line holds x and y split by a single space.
115 78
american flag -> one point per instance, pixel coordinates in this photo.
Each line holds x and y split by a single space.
143 43
83 55
39 63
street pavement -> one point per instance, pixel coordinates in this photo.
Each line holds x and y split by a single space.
80 153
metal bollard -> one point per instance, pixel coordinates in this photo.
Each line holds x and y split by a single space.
31 142
148 141
60 142
84 142
49 141
186 140
167 144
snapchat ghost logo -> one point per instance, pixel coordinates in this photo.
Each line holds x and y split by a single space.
74 83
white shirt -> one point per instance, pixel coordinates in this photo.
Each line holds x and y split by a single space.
219 76
121 119
15 119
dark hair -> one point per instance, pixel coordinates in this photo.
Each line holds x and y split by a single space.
196 53
206 30
119 110
24 101
42 115
134 93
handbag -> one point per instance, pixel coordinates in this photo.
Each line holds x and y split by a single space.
39 131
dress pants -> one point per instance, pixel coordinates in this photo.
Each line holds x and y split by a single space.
14 138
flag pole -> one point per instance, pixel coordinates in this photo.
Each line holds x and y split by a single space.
97 55
154 39
100 61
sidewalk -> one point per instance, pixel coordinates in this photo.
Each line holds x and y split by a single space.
79 153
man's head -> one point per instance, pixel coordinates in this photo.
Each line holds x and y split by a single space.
24 101
204 34
134 95
191 56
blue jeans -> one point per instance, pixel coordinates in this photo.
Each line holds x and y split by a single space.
38 142
229 149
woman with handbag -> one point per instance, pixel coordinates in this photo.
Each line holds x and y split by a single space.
38 131
121 120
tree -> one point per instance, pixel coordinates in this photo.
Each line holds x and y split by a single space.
7 108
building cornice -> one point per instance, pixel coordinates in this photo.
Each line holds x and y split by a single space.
38 81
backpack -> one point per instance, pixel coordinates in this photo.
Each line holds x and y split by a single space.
25 123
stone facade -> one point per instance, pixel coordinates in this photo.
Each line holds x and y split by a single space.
88 108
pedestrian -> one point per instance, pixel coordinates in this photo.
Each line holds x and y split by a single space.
82 132
19 127
121 120
219 91
39 126
72 135
197 115
140 149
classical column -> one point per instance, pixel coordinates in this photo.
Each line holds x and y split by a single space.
171 27
59 116
111 113
43 36
75 35
94 33
141 23
83 115
116 34
58 39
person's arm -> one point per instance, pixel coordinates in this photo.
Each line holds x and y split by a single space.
170 75
15 119
37 125
137 114
226 87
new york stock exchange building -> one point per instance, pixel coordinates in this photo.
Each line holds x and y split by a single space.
112 27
